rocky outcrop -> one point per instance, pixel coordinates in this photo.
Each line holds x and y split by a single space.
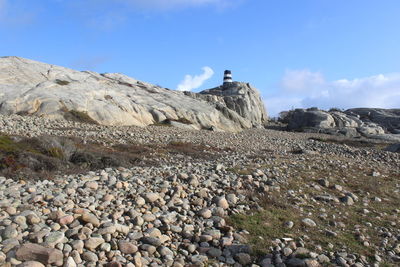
388 119
371 123
32 88
239 97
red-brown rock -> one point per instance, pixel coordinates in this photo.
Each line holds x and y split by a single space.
35 252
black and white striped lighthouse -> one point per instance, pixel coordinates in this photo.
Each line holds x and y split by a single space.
227 77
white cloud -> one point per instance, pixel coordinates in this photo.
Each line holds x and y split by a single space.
192 82
303 89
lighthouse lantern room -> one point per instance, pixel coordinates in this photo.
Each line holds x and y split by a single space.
227 77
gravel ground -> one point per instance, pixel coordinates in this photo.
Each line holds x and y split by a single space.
329 204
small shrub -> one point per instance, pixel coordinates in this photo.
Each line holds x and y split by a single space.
79 116
61 82
56 152
180 120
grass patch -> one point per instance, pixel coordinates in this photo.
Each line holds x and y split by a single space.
263 226
190 150
363 143
8 145
267 222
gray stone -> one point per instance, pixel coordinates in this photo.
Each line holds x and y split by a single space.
54 238
308 222
90 256
151 241
165 251
9 232
243 258
127 247
93 242
295 262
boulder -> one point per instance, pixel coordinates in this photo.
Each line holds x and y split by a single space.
240 97
370 128
34 252
302 119
388 119
28 87
348 123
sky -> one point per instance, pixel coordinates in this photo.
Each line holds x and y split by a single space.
298 53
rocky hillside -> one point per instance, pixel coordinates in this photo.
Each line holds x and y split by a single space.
360 122
32 88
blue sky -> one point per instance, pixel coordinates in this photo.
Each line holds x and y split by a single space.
298 53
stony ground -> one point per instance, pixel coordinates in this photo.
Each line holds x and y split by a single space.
199 198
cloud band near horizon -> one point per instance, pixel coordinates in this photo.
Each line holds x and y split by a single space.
304 89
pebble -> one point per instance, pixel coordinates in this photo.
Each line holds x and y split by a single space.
308 222
177 211
127 247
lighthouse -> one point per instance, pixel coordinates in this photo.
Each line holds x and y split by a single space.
227 77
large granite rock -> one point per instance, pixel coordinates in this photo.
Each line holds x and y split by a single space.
32 88
371 123
239 97
388 119
302 119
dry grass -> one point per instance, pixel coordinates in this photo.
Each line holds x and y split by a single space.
267 224
79 116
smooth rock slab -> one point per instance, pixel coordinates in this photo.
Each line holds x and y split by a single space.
34 252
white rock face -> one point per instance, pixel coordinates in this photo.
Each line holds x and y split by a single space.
35 88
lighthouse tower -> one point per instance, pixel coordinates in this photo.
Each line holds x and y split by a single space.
227 77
